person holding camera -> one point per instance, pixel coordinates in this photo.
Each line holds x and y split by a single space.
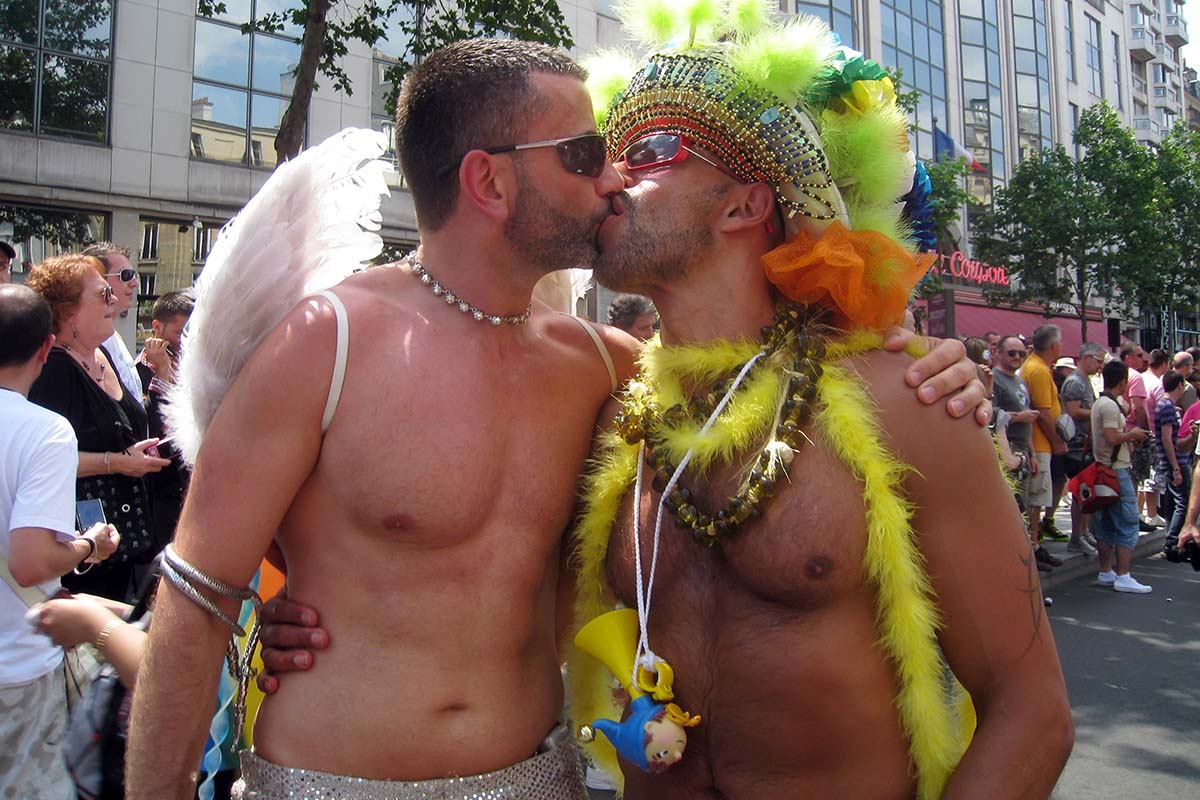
1116 526
38 544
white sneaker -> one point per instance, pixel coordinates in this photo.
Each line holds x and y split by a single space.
1157 521
1081 546
1106 578
1127 583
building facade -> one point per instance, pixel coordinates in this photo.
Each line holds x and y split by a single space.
139 122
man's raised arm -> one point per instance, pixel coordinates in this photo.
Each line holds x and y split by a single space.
995 633
257 452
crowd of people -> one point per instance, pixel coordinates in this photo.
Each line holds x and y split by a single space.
1054 414
82 427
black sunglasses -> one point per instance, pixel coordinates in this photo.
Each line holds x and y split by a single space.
1012 353
581 155
126 275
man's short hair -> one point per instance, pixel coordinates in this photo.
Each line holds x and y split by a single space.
1158 357
1092 349
59 280
1004 339
8 249
1171 380
1128 349
25 324
626 308
172 304
1114 372
976 347
102 251
1045 337
469 95
1182 359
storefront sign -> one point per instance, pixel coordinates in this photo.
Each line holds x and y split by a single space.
966 269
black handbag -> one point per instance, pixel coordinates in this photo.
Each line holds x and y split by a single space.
126 507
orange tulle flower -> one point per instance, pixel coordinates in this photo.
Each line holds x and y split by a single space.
864 277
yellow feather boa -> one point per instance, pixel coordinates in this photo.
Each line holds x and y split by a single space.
937 718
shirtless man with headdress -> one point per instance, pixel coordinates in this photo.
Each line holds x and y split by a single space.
422 508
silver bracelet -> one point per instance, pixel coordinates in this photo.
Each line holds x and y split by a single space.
189 580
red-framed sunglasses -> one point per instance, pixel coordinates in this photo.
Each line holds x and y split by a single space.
660 149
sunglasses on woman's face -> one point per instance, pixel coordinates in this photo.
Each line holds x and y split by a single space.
582 155
107 294
126 275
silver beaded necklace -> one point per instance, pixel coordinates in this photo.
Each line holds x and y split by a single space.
454 300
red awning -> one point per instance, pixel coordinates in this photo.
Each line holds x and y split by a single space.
976 320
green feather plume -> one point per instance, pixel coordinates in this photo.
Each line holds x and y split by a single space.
702 18
609 72
653 23
868 154
880 218
786 59
746 17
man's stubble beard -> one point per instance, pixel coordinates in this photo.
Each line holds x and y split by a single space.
548 238
653 252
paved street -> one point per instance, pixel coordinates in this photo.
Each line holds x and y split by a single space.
1132 665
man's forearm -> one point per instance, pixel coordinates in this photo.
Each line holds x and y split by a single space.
35 556
176 691
1004 762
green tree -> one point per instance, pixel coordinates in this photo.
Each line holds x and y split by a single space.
947 197
1075 231
1172 245
425 25
70 229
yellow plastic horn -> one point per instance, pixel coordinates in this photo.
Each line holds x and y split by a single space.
611 639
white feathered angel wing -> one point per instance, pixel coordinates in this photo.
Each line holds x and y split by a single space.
313 223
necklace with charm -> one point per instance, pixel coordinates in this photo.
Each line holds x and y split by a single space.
88 367
451 299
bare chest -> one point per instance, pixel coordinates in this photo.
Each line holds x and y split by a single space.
440 442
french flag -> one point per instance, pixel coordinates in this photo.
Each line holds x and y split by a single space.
944 146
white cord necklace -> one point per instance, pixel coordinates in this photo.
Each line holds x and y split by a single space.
646 657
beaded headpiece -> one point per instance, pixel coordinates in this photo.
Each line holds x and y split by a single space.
780 102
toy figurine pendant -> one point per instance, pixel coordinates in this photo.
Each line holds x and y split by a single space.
653 736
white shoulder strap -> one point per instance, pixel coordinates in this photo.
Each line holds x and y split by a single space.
339 358
602 347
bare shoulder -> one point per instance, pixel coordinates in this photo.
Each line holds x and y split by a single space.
919 434
622 347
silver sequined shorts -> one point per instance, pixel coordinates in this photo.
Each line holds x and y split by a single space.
551 775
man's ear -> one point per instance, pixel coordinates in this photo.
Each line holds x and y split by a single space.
487 184
748 206
44 352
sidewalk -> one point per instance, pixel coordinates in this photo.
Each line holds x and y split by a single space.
1077 564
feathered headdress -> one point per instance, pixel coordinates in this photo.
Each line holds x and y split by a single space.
780 102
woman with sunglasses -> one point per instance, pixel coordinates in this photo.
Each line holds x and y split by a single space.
80 383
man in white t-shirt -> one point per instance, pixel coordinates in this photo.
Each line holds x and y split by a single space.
39 457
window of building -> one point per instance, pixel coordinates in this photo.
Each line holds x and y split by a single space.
202 239
147 283
242 84
1069 28
1095 63
38 232
914 43
149 241
983 109
1033 76
1118 94
841 16
55 68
